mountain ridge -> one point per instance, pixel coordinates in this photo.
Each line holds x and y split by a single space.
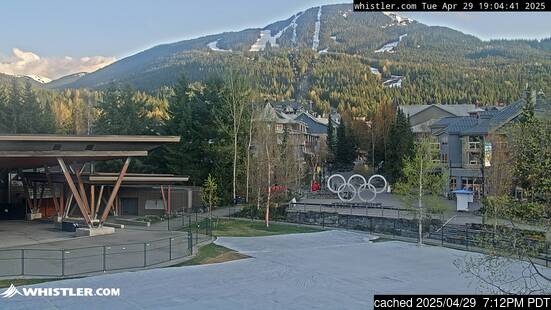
341 31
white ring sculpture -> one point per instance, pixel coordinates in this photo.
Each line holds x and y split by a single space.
356 185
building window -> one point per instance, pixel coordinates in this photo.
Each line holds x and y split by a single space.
444 158
435 150
475 143
472 184
154 205
474 159
453 183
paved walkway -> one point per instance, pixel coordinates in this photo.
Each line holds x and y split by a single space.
326 270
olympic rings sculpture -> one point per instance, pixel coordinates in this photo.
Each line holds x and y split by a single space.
356 185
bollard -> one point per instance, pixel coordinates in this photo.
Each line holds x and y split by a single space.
190 242
104 259
62 262
466 237
145 254
22 262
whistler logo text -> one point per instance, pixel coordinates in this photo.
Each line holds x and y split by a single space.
60 292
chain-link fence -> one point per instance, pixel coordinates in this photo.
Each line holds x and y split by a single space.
87 260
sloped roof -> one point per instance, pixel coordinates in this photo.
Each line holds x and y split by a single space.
271 114
484 126
455 109
34 151
314 125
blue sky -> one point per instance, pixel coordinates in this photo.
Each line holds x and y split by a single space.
114 29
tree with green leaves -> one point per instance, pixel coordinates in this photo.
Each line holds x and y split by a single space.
4 119
190 117
13 109
532 154
331 138
423 180
209 193
237 95
345 153
121 113
400 146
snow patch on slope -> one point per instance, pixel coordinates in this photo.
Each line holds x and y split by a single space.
38 78
260 44
395 81
294 26
214 47
316 40
266 36
390 47
400 20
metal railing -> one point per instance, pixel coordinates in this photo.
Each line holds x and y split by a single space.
403 225
96 259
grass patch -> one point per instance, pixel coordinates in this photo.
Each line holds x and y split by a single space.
245 228
213 254
21 282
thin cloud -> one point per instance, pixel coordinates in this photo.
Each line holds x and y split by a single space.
29 63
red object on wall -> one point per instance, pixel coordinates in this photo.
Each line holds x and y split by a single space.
315 186
278 188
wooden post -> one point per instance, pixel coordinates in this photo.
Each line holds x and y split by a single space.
92 201
115 191
82 192
99 202
75 192
26 190
52 190
62 200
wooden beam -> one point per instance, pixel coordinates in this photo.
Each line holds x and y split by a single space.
74 190
82 190
115 191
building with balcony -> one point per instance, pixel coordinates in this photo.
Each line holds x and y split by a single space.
466 143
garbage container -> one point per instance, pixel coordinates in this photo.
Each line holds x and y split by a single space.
69 226
463 198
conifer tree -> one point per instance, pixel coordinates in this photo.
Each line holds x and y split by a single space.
400 146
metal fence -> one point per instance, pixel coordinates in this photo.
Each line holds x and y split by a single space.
87 260
403 225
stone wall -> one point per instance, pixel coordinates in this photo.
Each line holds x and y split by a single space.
384 225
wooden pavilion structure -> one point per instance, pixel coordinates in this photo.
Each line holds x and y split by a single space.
57 159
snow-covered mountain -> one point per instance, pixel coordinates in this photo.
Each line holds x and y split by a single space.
329 29
38 78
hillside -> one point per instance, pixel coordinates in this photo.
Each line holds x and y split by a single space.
340 31
333 56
